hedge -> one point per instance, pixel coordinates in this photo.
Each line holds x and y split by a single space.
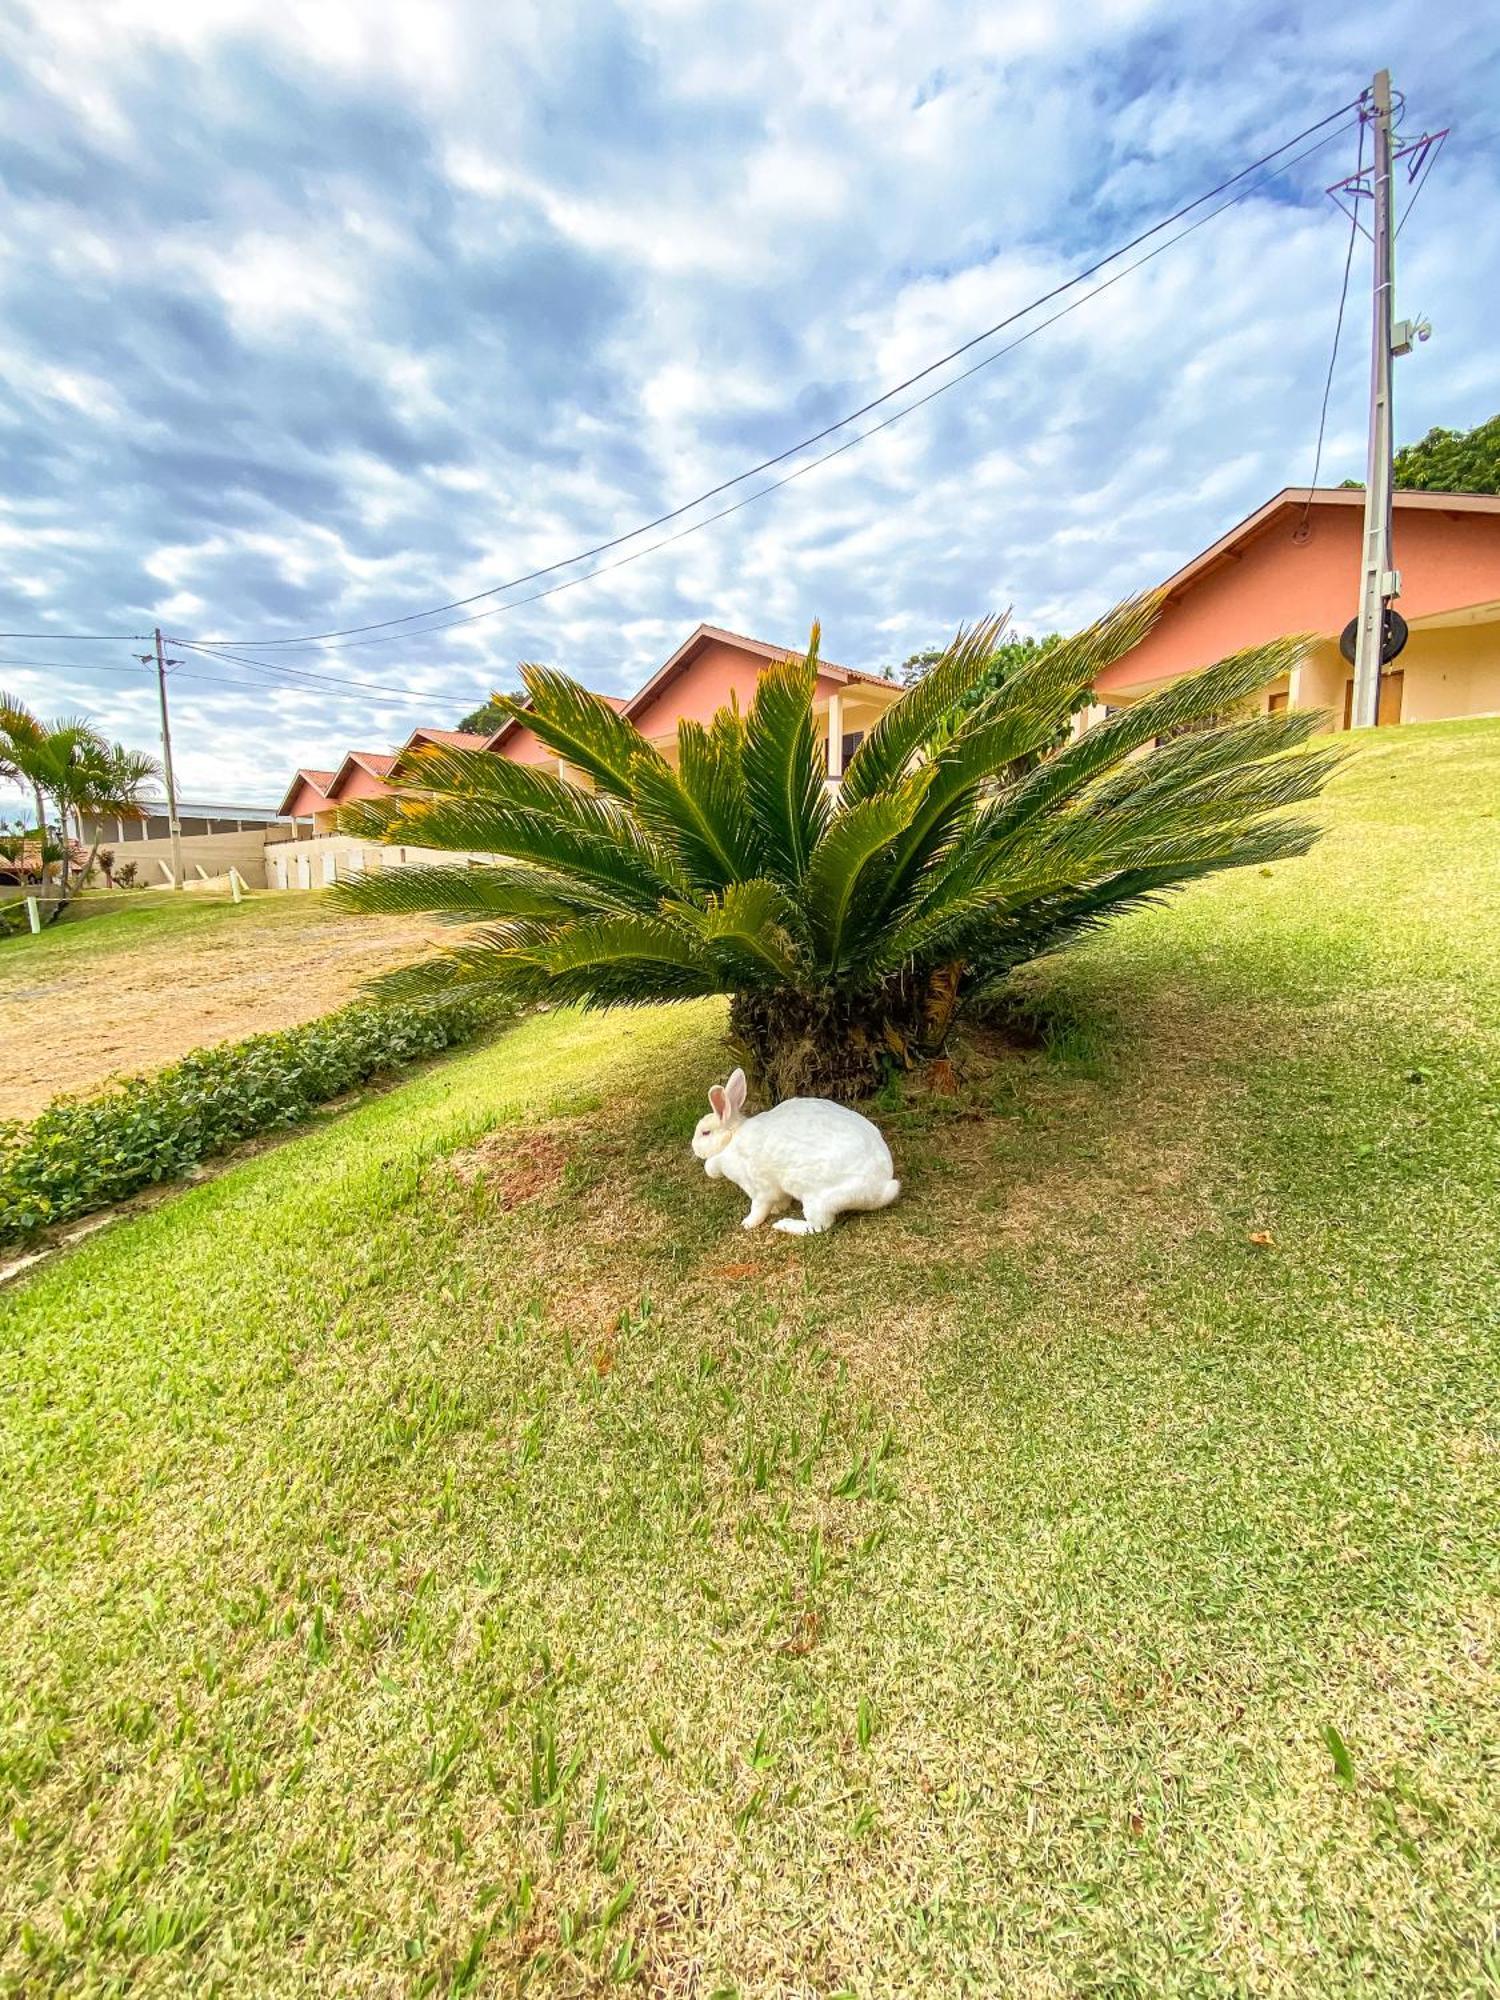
82 1154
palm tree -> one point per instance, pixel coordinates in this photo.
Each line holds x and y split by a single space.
849 931
22 754
70 763
106 780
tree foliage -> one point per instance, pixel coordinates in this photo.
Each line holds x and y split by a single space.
1453 461
849 927
1450 461
484 720
70 765
1010 654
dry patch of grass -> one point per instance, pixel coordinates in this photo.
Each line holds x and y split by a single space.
511 1167
119 995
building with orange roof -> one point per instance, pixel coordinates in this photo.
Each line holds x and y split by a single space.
710 668
1294 566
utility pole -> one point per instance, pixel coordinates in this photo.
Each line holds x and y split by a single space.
1379 582
174 828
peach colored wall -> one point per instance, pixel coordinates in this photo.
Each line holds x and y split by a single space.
359 785
1453 670
306 801
1320 682
1271 585
706 684
523 747
1446 672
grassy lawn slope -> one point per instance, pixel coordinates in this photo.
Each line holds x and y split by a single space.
447 1554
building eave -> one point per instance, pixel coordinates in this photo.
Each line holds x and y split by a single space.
1295 499
320 781
705 635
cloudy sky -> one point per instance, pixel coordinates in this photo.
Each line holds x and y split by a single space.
323 314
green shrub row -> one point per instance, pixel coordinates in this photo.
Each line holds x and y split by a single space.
82 1154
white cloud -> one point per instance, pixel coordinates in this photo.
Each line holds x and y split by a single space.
322 313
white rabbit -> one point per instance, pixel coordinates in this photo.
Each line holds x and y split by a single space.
806 1149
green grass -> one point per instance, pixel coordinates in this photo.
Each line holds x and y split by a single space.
446 1554
141 920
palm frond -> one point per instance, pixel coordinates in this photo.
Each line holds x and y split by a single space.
1193 700
497 957
1068 914
1252 739
932 708
1060 679
841 862
468 895
747 931
372 819
783 773
711 770
624 961
700 810
470 802
580 726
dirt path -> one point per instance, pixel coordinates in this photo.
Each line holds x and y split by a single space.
77 1010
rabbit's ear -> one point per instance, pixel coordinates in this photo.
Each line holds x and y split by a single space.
734 1090
719 1099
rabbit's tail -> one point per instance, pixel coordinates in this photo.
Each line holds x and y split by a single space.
889 1194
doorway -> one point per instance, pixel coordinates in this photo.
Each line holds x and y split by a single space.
1389 707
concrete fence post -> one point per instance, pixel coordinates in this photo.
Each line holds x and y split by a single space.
34 914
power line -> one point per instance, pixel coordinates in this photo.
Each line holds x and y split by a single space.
297 687
81 638
849 444
272 667
792 450
72 666
1338 328
1427 163
392 700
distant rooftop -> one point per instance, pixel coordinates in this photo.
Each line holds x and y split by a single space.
203 809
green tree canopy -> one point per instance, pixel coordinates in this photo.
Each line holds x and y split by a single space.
1450 461
484 720
1013 653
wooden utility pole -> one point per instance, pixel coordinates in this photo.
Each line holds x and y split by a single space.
1379 582
174 828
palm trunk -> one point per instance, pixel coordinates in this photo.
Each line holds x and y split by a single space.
843 1045
67 848
41 835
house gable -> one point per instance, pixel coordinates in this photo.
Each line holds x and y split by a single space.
307 794
520 745
439 739
362 775
1291 568
711 669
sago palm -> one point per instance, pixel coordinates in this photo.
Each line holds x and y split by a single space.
848 929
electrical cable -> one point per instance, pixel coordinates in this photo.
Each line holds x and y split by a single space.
145 675
1426 174
1338 328
792 450
812 465
83 638
304 674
